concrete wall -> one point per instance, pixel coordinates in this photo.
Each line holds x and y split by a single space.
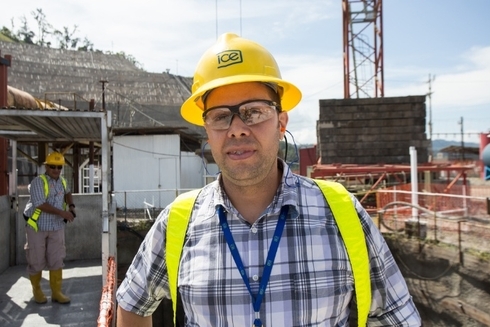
83 238
372 131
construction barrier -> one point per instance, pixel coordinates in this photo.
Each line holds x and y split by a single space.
459 220
107 304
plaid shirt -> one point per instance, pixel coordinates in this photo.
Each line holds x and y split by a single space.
311 283
56 198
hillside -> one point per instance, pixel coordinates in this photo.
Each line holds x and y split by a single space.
437 145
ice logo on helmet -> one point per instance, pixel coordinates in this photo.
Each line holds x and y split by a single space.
229 57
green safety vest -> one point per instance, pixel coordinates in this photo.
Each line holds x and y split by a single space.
345 216
32 221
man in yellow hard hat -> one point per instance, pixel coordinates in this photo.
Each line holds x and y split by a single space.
46 214
263 246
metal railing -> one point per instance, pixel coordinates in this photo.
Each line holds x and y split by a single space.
107 301
144 203
459 220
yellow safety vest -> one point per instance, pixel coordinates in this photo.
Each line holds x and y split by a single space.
345 216
32 221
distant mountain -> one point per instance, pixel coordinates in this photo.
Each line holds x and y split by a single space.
437 145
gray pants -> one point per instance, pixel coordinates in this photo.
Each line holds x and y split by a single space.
44 250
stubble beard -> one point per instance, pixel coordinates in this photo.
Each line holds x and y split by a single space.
247 174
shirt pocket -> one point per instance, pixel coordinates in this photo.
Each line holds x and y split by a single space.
321 298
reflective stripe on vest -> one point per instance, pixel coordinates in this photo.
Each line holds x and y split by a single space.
350 228
32 221
178 219
345 216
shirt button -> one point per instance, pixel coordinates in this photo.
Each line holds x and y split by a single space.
254 230
255 278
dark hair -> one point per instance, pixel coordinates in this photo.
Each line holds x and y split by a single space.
275 97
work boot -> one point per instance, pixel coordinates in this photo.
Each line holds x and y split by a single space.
36 288
55 281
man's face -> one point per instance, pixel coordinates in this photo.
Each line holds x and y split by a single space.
246 155
53 171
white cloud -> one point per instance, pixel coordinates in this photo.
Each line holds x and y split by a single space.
317 78
469 86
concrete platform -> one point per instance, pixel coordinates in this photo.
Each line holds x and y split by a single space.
82 282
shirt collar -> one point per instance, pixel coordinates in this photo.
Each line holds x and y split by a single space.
50 178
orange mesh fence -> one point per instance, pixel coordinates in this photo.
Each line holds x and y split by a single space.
107 305
461 220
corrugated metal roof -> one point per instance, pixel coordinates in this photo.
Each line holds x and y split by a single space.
34 125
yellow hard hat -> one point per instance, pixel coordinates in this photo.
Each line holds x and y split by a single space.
231 60
55 158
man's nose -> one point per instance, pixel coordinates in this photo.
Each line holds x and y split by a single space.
237 126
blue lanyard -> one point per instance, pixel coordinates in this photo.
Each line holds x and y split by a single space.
257 301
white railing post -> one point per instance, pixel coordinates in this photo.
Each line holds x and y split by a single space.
414 181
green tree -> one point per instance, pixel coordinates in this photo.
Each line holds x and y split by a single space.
44 28
24 33
126 56
87 46
66 39
8 33
290 154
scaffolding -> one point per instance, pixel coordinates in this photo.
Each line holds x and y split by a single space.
363 48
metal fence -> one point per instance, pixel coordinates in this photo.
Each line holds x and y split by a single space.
459 220
144 203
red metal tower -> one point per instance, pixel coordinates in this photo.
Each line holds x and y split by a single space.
363 48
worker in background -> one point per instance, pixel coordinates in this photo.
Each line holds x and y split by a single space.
237 267
49 207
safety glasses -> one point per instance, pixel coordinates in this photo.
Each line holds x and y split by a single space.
55 167
251 112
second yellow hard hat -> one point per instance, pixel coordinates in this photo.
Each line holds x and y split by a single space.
55 158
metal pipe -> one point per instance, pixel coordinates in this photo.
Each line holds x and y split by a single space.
414 181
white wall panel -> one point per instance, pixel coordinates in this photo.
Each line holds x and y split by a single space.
192 171
144 164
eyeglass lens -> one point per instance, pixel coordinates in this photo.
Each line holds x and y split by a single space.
250 112
55 167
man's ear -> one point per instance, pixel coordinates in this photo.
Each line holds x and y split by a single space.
283 122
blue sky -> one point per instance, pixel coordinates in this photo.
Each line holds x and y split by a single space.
448 39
